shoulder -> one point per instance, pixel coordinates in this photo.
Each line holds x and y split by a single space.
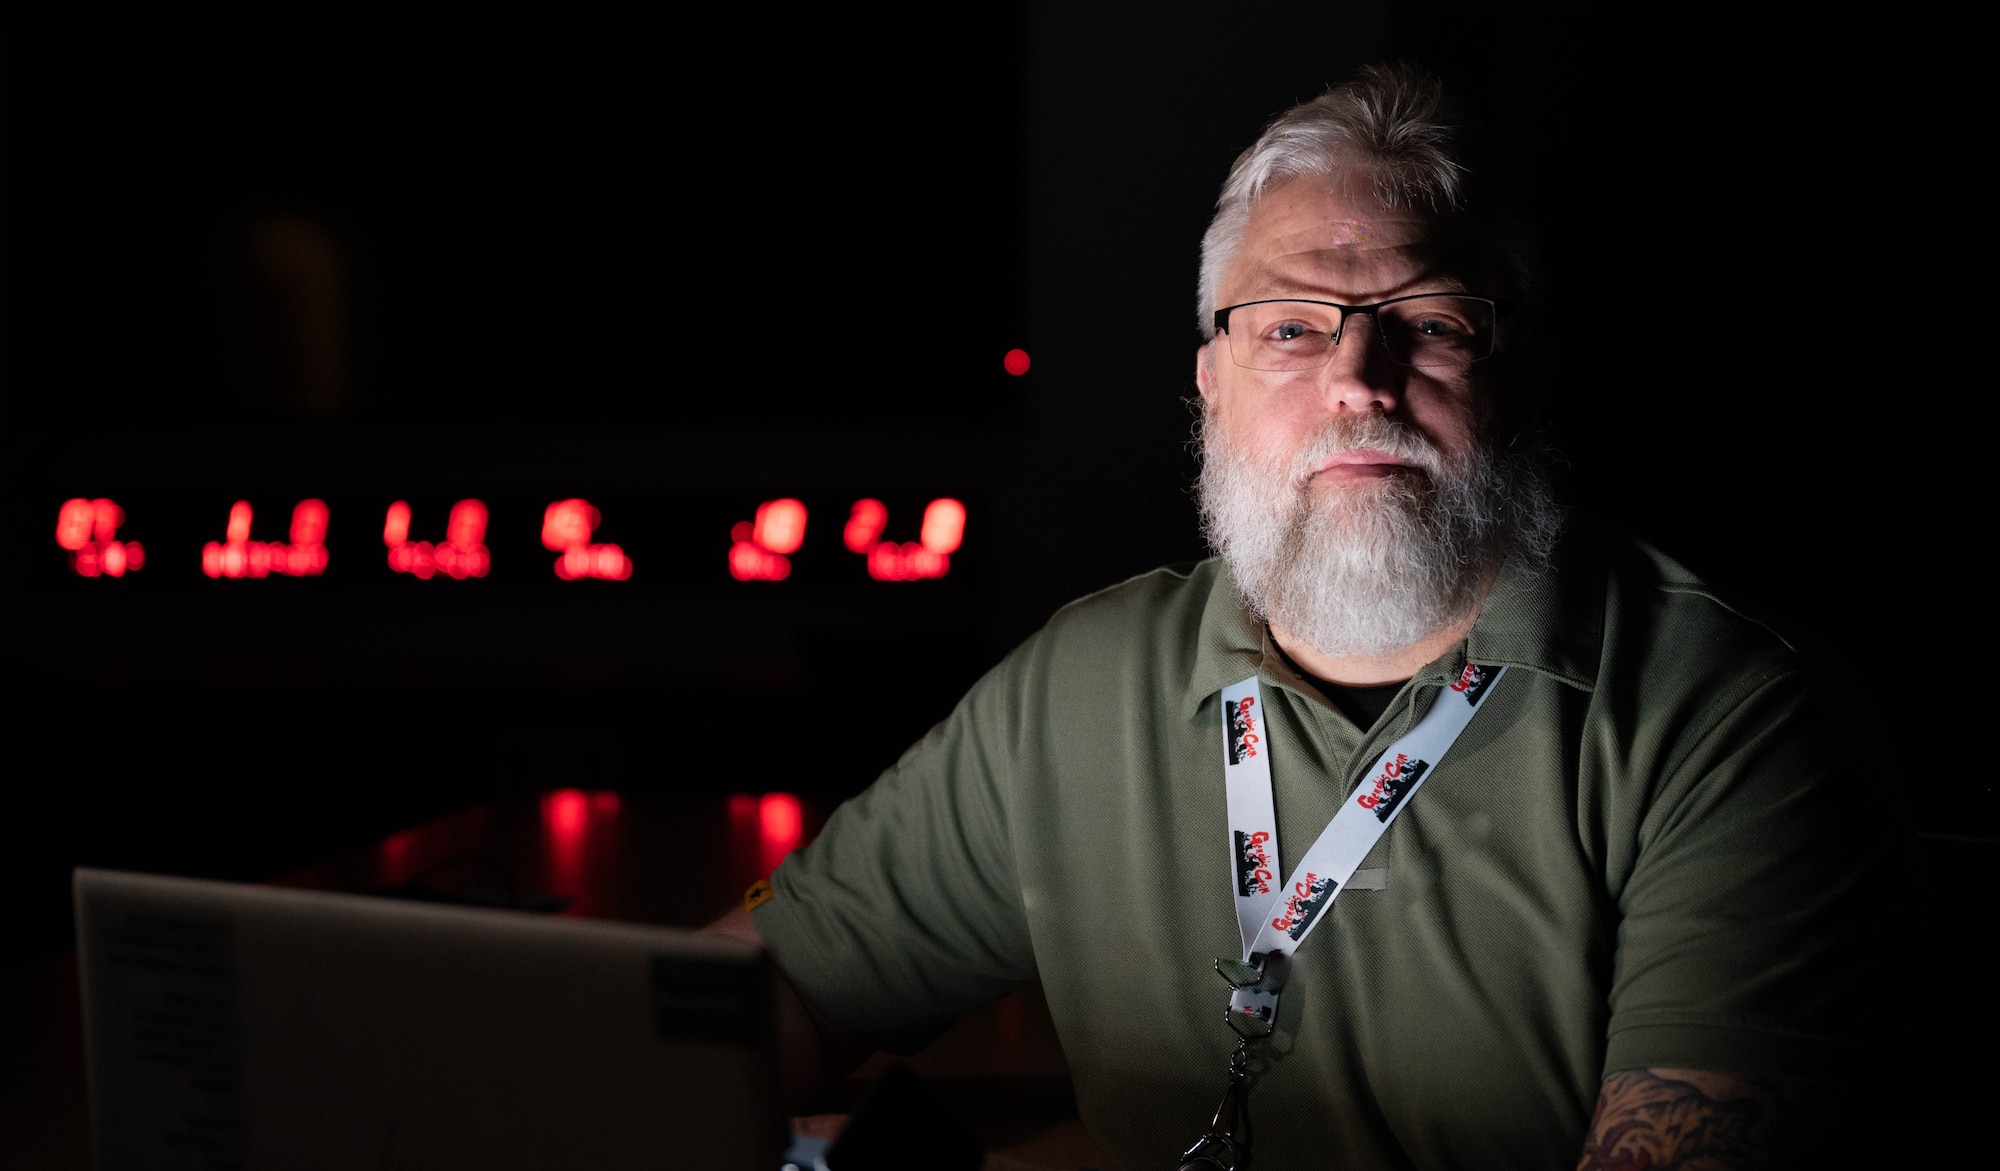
1642 577
1123 656
1168 599
1676 638
1617 620
1155 620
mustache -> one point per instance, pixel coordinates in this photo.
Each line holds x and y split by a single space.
1344 433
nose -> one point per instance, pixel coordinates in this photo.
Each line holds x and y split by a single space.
1359 375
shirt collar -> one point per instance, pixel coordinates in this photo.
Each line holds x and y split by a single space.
1549 621
1229 645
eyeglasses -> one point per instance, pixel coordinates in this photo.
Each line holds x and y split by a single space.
1427 329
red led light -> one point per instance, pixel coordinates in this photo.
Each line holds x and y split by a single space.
909 561
566 528
781 525
463 553
944 525
566 811
1016 362
88 530
239 522
943 533
468 524
239 556
781 825
567 524
757 549
565 825
396 527
865 522
309 519
74 523
749 563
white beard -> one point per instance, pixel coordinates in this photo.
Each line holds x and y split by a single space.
1370 567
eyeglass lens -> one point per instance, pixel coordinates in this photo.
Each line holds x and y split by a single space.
1439 329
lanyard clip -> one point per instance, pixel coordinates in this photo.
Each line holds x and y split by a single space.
1253 993
1225 1145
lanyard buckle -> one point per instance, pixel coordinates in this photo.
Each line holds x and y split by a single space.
1253 994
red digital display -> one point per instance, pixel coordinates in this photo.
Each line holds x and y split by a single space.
761 549
88 529
237 556
758 550
566 529
942 533
462 554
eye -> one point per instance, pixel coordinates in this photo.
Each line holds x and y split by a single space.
1434 326
1437 329
1282 335
1289 326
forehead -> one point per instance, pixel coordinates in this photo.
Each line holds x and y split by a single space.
1311 237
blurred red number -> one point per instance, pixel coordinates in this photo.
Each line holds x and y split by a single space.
759 550
462 554
305 555
928 557
566 529
88 529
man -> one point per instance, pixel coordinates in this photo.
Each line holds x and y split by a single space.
1607 910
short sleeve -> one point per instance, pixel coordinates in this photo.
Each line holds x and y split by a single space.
905 914
1742 936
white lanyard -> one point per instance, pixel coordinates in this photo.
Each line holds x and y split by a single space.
1274 919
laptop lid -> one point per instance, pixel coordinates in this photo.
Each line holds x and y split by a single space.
234 1026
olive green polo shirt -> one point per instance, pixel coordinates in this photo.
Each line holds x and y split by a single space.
1640 852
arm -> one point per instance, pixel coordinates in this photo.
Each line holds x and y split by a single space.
812 1054
1659 1118
1750 936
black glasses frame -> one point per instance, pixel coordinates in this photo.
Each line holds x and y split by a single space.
1347 311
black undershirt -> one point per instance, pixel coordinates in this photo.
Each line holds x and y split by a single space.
1362 703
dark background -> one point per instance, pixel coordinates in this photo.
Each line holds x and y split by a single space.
681 269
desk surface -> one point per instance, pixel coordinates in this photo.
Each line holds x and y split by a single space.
597 854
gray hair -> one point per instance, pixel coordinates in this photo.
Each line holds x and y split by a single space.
1393 125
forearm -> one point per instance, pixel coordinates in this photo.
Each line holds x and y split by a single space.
1704 1120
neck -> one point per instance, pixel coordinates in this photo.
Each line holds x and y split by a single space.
1368 670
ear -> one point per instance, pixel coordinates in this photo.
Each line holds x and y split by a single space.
1204 366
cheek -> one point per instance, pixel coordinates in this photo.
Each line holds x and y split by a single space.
1268 425
1454 416
1271 403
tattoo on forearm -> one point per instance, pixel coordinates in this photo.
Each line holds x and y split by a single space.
1654 1119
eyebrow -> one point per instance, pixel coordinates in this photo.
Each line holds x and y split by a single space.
1426 282
1458 289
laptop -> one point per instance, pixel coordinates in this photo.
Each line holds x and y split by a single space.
243 1027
